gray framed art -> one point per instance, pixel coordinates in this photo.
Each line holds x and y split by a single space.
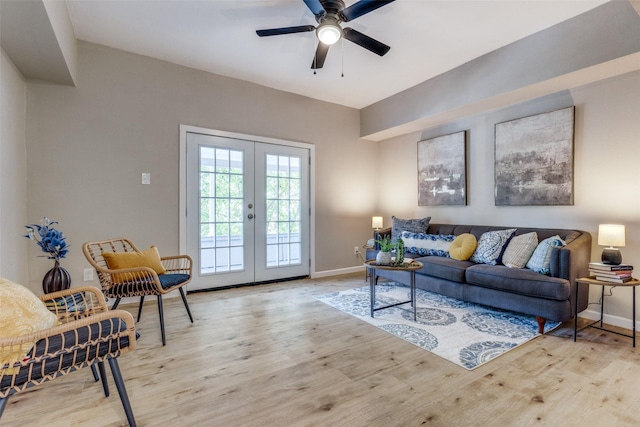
534 160
442 167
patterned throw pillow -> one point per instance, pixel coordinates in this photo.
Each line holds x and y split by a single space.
427 244
412 225
519 250
541 259
490 246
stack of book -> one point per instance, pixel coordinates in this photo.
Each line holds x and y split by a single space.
611 273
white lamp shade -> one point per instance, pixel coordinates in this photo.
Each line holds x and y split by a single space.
376 222
329 33
611 235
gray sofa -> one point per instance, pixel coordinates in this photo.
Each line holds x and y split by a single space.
522 290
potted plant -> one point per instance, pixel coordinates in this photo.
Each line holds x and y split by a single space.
53 243
386 246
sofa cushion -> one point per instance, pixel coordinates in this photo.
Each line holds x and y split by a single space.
398 225
540 261
519 250
518 280
463 247
491 246
444 268
427 244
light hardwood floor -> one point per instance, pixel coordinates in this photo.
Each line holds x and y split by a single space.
272 355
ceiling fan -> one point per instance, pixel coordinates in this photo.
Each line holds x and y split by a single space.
329 15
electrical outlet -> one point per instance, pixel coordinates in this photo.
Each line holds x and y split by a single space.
88 274
146 178
356 250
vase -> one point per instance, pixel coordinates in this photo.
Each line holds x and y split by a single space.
383 258
56 279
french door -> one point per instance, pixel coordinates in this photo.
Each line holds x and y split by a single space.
247 210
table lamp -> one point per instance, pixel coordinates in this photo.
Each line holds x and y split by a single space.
376 222
611 235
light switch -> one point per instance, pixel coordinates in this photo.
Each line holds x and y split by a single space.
146 178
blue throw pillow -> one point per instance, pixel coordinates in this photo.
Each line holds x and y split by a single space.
541 259
412 225
491 246
427 244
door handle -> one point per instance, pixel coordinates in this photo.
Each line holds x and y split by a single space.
250 216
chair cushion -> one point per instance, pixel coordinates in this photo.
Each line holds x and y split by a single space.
79 353
463 247
121 260
22 313
170 280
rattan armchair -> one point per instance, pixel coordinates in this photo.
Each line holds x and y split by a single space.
88 334
140 281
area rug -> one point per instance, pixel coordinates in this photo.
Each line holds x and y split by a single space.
466 334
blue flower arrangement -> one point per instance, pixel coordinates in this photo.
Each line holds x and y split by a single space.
50 240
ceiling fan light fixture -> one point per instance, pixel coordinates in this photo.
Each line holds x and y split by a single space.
329 32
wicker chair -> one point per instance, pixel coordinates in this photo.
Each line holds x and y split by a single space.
141 281
88 334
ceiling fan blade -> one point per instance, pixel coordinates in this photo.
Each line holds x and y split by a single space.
365 41
285 30
321 55
362 7
315 7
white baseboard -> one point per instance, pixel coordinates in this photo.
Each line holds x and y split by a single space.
338 272
609 319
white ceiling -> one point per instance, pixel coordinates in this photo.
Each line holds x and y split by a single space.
427 38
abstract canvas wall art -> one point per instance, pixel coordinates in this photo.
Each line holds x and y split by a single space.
442 170
534 160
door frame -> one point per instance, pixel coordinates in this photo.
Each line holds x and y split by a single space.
184 129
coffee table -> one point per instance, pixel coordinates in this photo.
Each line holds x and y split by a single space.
411 267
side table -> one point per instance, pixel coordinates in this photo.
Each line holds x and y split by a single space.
373 280
593 281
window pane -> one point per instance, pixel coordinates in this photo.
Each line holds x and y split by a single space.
272 188
235 186
236 159
283 212
222 161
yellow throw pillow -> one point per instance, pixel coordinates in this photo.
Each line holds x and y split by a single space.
463 247
120 260
22 313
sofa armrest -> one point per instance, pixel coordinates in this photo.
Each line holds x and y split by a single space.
572 262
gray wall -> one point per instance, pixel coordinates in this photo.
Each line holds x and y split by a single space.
604 41
13 173
88 145
606 153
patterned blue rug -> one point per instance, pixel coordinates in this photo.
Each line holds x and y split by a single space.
466 334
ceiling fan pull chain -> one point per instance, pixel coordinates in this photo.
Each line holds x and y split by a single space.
342 41
315 55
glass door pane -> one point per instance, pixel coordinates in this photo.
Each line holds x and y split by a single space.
221 213
284 219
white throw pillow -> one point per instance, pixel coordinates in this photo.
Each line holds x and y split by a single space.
519 250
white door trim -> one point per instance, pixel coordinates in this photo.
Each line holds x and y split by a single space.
184 129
